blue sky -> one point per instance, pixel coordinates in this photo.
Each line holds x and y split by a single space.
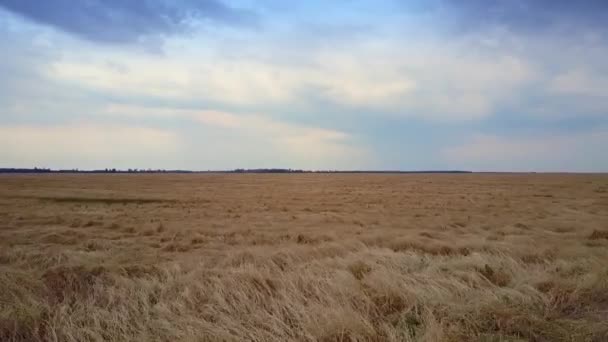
345 84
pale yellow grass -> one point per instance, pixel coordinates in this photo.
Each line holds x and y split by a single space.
304 257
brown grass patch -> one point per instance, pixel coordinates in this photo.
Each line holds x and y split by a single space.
432 248
495 276
100 200
69 284
311 257
599 234
359 269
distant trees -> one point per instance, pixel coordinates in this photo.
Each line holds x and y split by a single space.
24 170
267 171
271 170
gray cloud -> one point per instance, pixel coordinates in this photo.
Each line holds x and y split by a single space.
526 15
523 16
126 21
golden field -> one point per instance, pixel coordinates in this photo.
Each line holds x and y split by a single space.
304 257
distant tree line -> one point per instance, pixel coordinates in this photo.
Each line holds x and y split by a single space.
267 171
271 170
112 170
23 170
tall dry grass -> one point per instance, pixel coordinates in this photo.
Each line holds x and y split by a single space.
303 258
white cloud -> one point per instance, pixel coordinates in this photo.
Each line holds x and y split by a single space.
148 76
304 145
360 78
84 145
221 141
577 92
211 117
580 81
392 70
466 86
421 81
296 145
566 152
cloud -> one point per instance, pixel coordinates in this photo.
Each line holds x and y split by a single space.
465 86
244 136
85 145
117 89
300 146
366 86
118 21
361 78
197 139
526 16
428 82
577 91
580 81
565 152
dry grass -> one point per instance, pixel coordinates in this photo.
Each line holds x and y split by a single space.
303 258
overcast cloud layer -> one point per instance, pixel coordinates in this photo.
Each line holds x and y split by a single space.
411 85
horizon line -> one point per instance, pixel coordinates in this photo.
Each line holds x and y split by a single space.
37 170
237 170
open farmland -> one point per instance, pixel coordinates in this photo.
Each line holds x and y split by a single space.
304 257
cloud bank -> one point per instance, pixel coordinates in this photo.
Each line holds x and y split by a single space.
319 85
117 21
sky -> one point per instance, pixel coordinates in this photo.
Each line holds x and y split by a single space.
475 85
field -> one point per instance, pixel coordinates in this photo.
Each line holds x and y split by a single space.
304 257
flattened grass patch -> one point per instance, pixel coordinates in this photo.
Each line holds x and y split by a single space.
101 200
